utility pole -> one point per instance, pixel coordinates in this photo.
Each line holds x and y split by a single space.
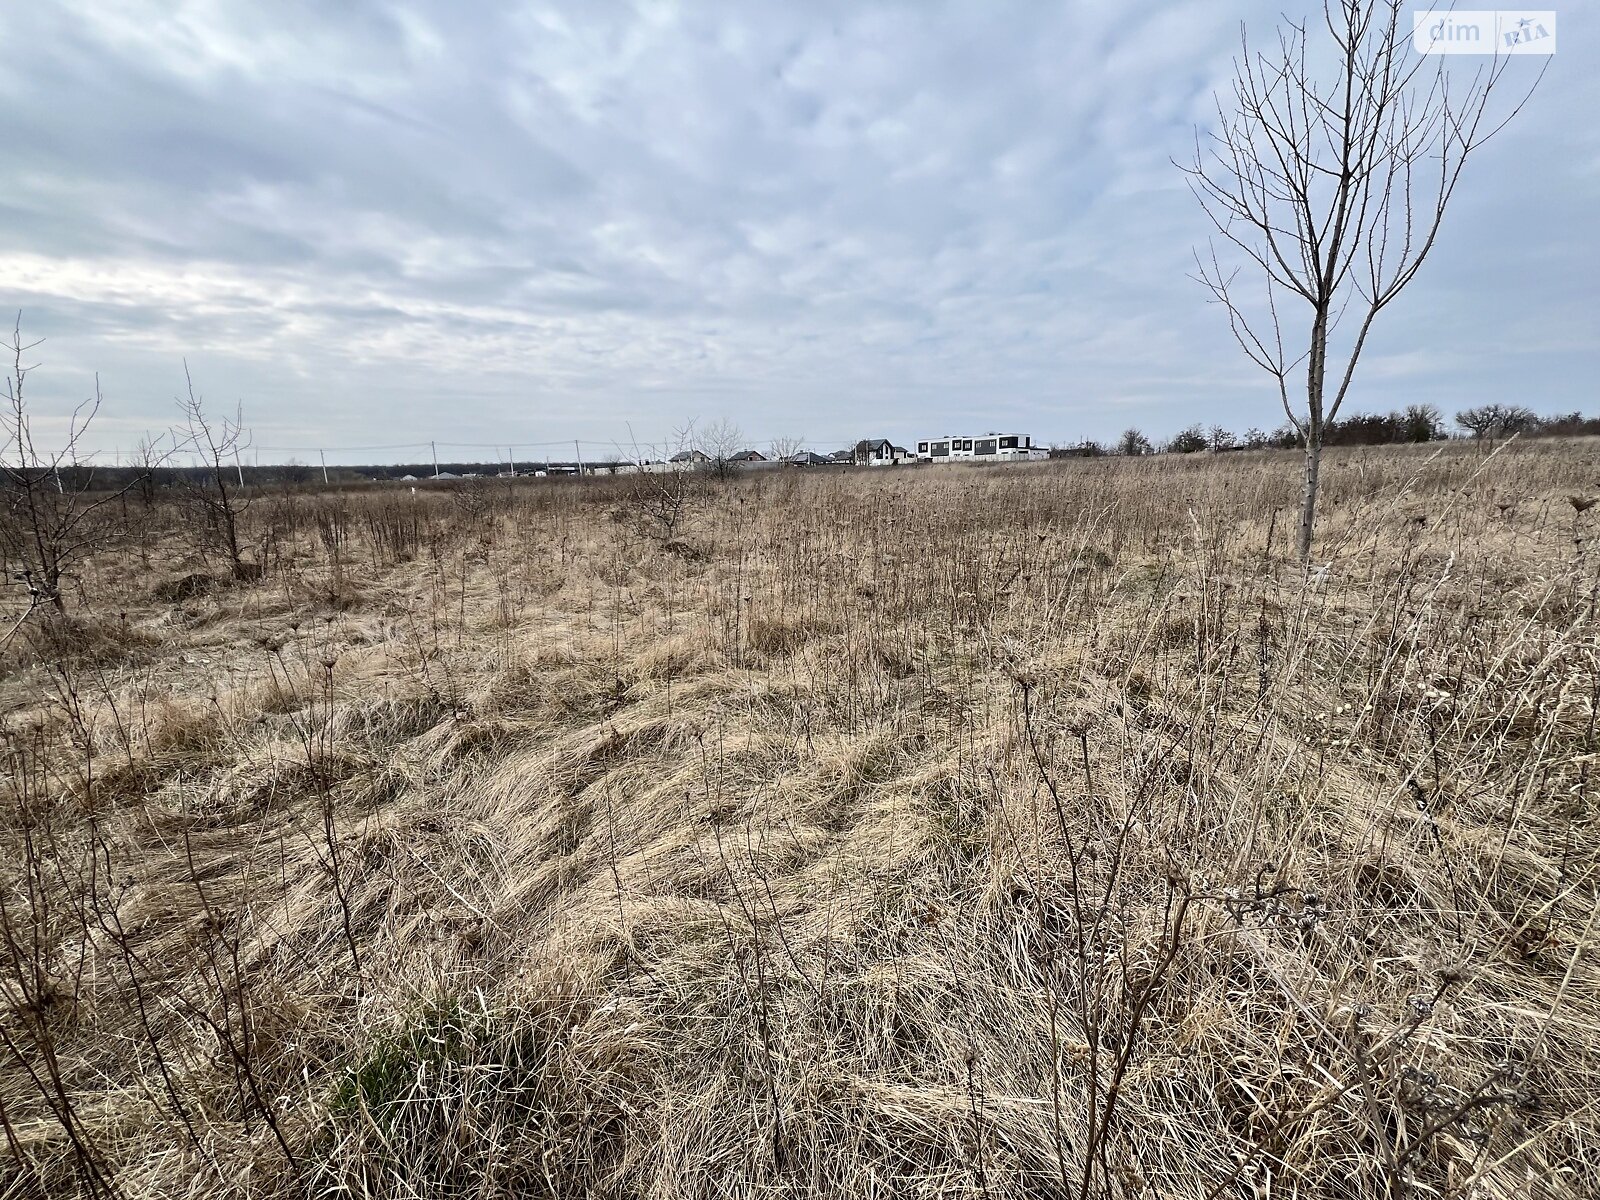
579 452
434 446
323 456
238 466
511 460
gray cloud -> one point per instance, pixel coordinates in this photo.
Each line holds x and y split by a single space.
385 222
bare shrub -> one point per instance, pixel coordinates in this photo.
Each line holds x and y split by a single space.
55 515
219 505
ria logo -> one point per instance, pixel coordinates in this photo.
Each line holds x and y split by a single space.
1484 31
1528 31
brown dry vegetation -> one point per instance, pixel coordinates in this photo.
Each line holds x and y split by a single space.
1009 832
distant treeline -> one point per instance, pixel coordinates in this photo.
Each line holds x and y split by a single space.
1415 423
1412 424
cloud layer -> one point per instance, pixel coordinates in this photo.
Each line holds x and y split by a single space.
380 223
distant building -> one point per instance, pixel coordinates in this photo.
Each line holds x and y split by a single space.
879 452
747 456
809 458
990 447
689 456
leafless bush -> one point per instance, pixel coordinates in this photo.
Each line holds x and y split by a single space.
219 505
54 514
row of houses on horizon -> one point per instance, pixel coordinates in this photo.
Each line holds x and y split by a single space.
882 452
868 452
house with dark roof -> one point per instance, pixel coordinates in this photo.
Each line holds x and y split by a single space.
808 458
879 452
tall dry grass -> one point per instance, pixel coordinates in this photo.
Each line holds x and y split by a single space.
1012 832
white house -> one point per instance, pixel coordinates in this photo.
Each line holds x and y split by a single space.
988 447
879 452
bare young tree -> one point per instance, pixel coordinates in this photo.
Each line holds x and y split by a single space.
785 448
149 457
53 513
719 442
659 494
218 443
1330 187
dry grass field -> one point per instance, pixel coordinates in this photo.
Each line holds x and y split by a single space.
1040 831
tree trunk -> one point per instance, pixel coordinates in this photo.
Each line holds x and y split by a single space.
1316 366
1308 498
230 531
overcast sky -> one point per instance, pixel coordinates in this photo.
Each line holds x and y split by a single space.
378 222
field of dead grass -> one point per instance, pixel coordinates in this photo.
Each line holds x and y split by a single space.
1041 831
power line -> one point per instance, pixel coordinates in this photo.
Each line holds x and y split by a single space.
535 450
337 449
516 443
513 443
